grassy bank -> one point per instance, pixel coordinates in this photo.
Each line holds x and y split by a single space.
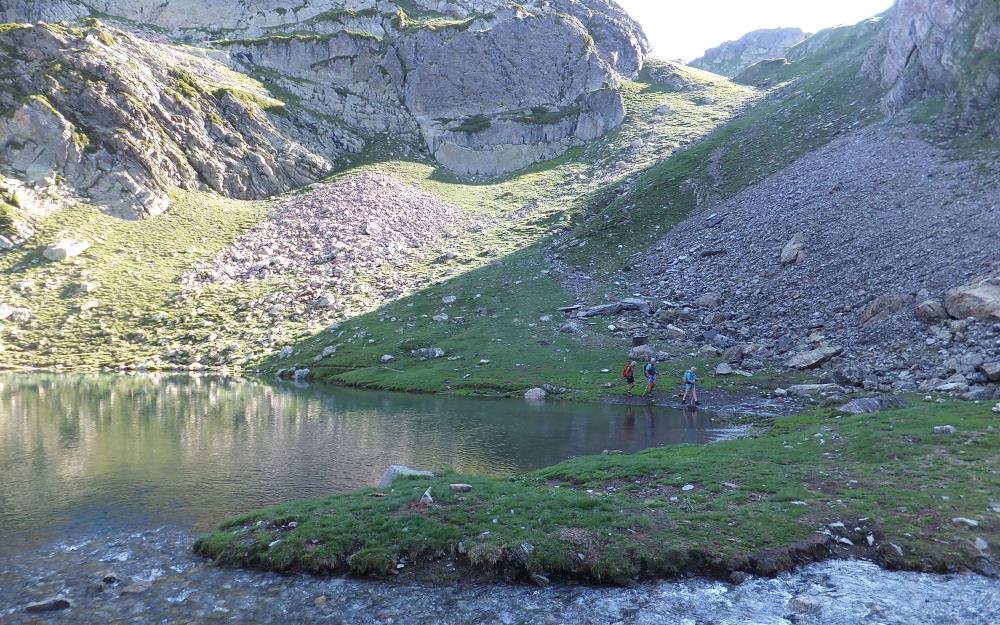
751 505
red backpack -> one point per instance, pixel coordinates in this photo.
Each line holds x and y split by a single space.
629 370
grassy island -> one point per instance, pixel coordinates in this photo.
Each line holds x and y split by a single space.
886 487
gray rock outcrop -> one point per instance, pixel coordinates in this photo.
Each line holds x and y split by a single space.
535 394
732 57
814 357
123 121
948 49
65 249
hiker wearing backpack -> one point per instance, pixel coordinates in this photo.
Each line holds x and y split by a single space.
691 380
650 371
629 374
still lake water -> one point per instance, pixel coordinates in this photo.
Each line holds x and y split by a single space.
93 453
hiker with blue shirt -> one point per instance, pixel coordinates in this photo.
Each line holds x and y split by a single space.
650 371
691 380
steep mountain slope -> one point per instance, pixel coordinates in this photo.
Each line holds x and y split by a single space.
155 309
119 122
732 57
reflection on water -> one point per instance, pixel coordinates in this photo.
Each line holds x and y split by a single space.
85 452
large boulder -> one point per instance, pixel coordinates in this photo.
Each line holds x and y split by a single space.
814 357
427 353
875 403
65 249
885 306
980 299
642 352
608 310
991 370
930 311
793 252
535 394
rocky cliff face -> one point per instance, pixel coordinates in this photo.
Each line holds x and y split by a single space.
486 86
119 122
942 48
732 57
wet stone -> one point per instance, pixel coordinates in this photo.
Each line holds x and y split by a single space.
51 604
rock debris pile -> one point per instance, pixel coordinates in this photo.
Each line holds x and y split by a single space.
875 251
335 239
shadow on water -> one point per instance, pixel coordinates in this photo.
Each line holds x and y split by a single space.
81 453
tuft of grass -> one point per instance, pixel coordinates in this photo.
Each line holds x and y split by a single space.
474 123
251 101
543 116
274 39
406 22
613 518
8 215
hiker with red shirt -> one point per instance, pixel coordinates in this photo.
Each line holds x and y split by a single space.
629 374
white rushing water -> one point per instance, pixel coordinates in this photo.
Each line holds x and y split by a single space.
173 586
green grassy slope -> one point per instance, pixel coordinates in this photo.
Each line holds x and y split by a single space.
755 505
136 266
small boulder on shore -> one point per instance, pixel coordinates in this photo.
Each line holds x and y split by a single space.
535 394
396 471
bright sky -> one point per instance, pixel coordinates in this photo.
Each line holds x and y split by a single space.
684 29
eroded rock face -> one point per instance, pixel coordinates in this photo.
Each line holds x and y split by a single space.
485 86
934 48
123 121
500 109
732 57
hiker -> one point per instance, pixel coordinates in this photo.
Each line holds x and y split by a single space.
629 374
691 380
650 371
